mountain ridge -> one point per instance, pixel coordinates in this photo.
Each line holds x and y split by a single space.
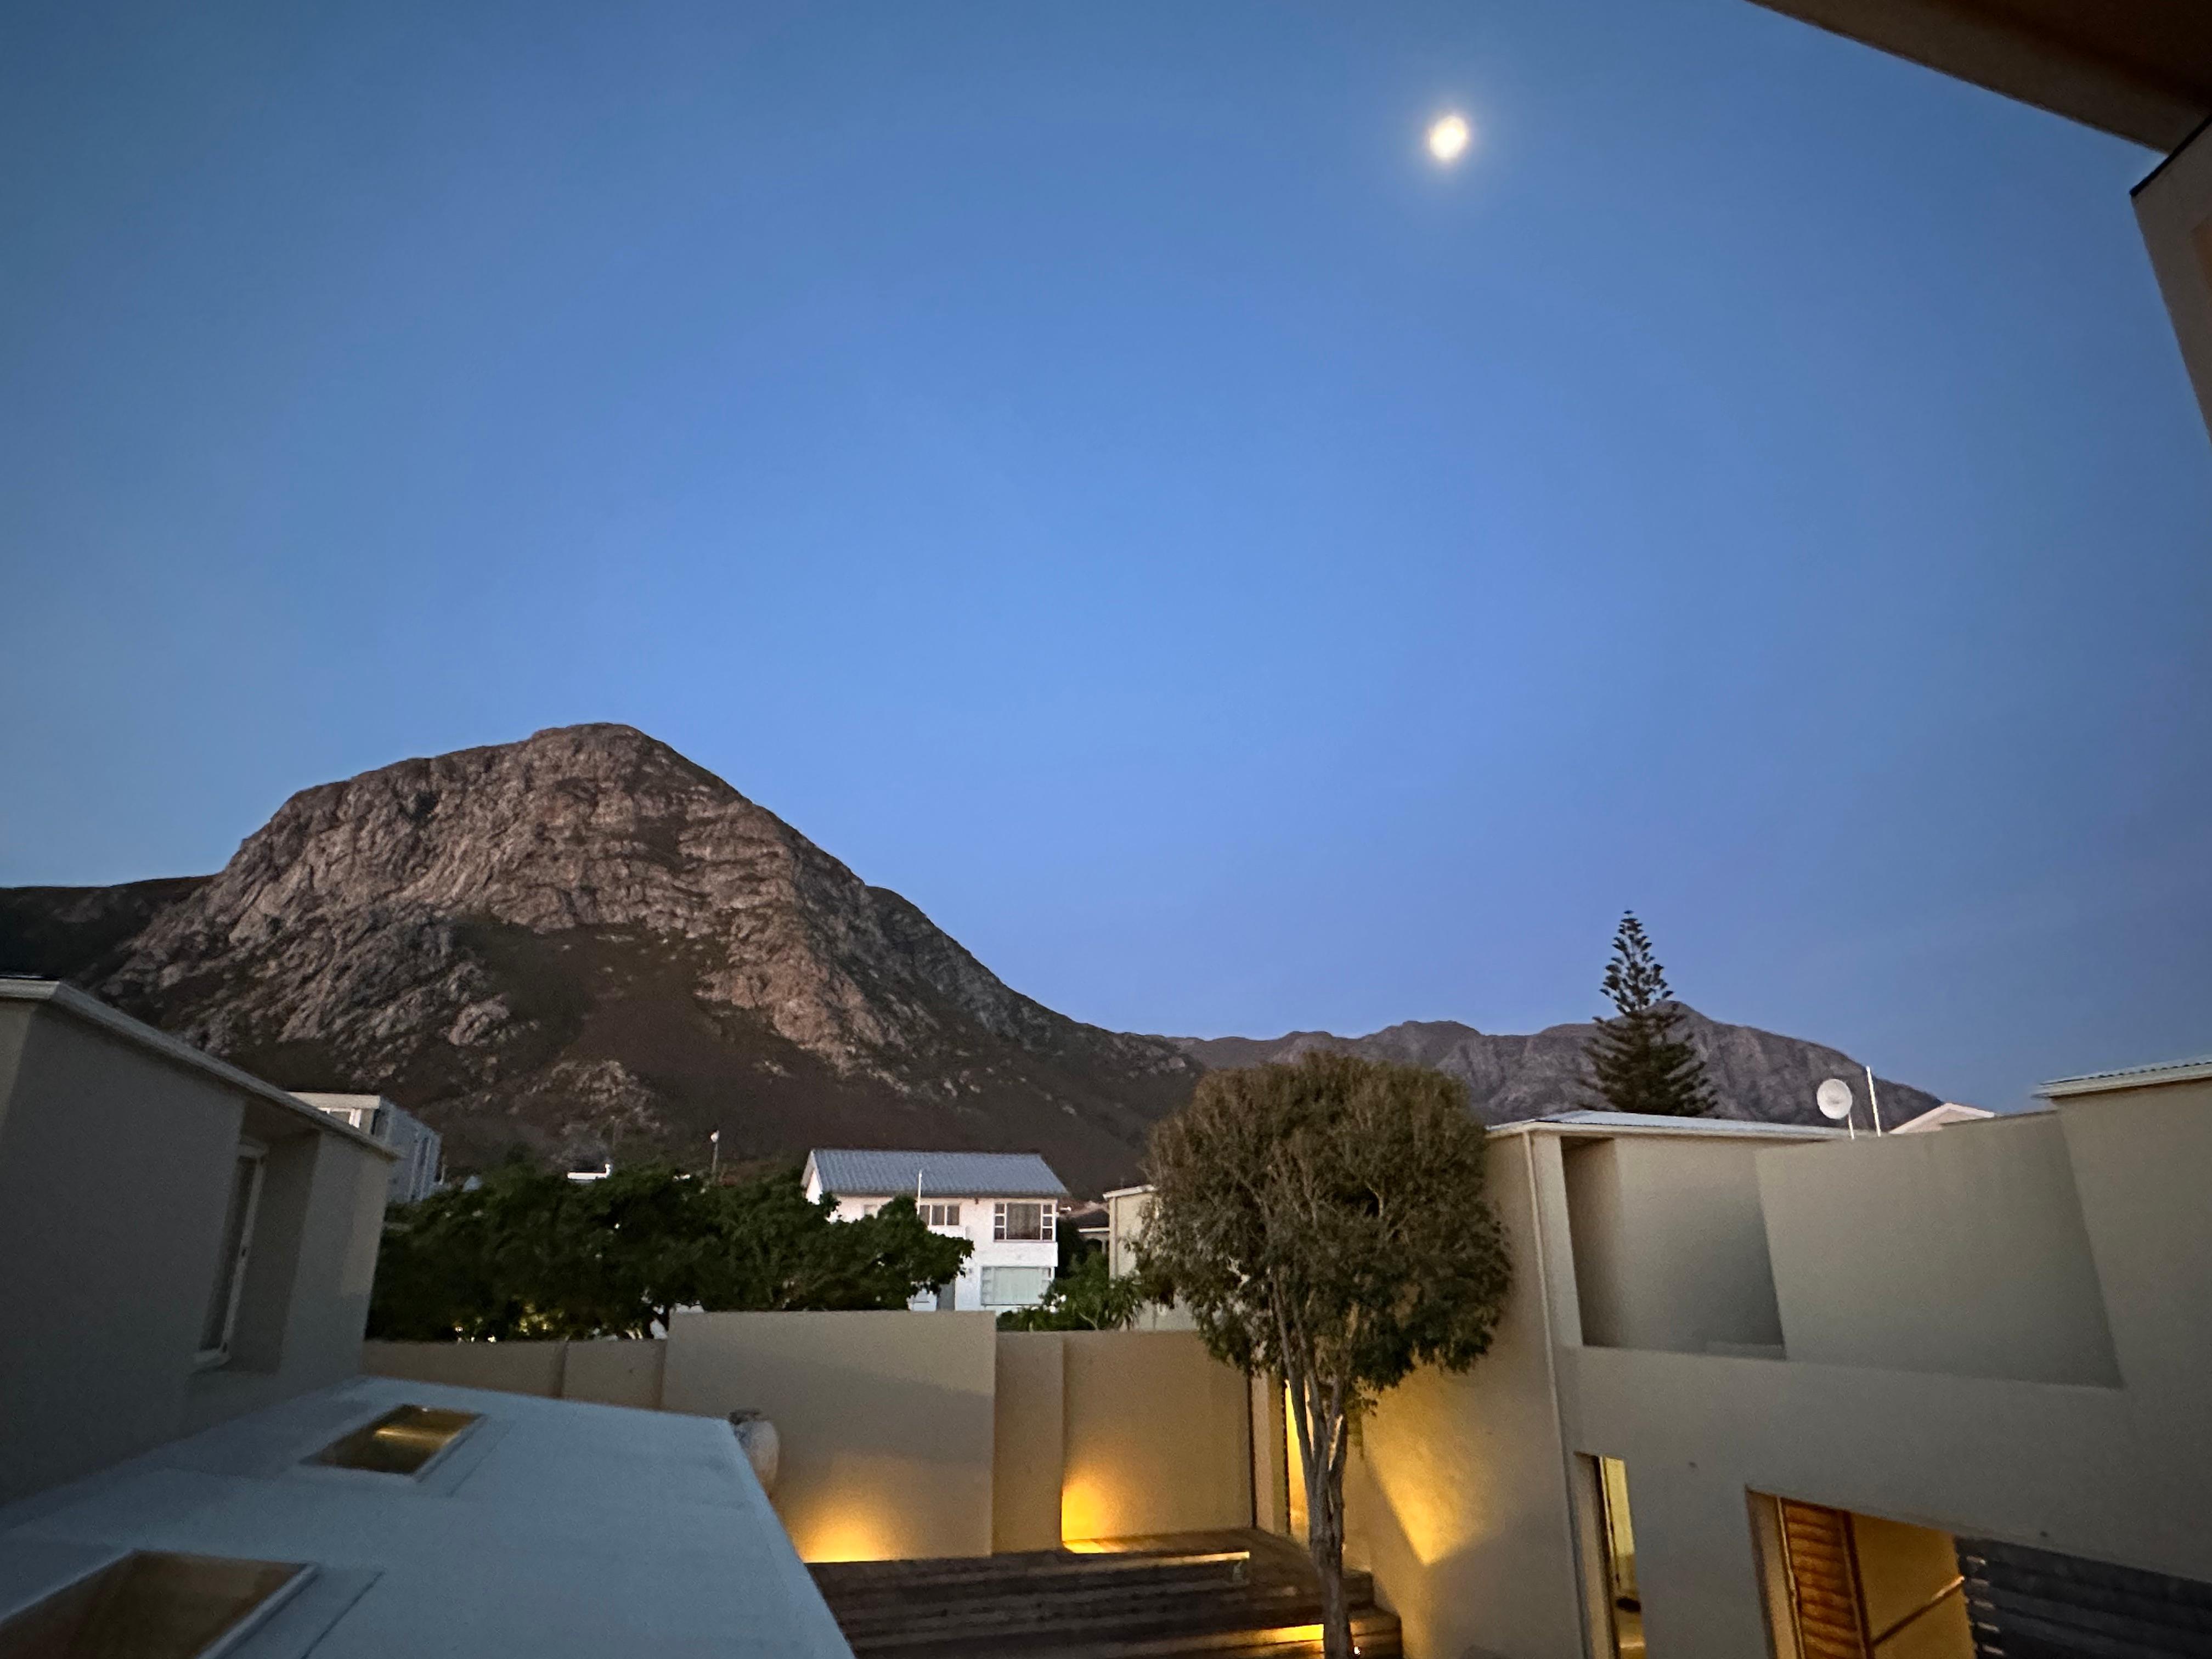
1758 1075
584 944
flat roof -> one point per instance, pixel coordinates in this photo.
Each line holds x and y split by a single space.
91 1010
1650 1124
2133 1076
549 1529
856 1173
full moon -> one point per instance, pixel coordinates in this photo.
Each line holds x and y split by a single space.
1448 138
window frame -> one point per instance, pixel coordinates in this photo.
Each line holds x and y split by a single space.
252 1157
1044 1234
987 1280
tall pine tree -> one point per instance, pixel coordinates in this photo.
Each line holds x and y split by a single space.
1638 1060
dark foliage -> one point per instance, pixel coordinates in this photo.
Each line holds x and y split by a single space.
1638 1059
1086 1296
529 1253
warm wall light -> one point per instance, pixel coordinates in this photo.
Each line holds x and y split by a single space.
1085 1510
848 1535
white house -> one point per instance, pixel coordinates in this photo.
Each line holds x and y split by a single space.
1006 1204
415 1172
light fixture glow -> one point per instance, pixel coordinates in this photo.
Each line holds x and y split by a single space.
1448 138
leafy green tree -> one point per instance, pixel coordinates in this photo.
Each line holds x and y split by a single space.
1088 1296
528 1253
1326 1225
779 1252
1638 1059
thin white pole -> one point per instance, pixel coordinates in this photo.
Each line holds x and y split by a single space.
1873 1102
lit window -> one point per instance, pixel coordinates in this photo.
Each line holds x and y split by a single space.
221 1321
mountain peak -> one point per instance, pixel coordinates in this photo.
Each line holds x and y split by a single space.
456 930
588 944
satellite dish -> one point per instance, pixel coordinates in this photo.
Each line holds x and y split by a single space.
1834 1099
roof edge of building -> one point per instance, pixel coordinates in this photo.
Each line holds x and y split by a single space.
55 993
2196 1070
1654 1124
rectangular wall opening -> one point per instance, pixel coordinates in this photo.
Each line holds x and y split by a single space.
241 1209
1620 1634
403 1441
1850 1586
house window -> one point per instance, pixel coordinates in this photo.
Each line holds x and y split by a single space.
1022 1221
940 1215
245 1198
1015 1287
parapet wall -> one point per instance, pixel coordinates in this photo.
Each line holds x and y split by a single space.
922 1435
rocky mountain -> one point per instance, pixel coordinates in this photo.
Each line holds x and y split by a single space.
1756 1074
586 945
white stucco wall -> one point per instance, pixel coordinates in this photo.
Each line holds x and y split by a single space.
977 1223
1995 1331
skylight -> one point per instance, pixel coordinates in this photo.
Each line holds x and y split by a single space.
403 1441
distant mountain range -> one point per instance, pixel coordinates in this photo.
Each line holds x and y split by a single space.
1756 1074
584 944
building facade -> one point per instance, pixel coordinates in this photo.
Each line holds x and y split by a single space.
419 1150
183 1243
190 1461
1008 1205
1766 1391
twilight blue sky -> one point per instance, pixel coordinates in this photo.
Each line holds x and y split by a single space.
1084 467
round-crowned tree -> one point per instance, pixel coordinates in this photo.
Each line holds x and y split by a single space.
1325 1223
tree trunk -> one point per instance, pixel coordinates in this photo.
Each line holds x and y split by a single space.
1323 1435
1326 1539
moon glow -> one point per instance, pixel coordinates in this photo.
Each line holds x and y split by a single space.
1448 138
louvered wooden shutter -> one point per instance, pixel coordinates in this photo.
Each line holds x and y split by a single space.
1823 1582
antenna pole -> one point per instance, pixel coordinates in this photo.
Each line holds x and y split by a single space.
1873 1102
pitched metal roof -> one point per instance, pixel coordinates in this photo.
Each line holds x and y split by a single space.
2135 1076
851 1174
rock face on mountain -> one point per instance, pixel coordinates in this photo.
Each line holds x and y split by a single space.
1756 1074
584 944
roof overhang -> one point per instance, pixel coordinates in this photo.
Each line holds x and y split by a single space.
2139 69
